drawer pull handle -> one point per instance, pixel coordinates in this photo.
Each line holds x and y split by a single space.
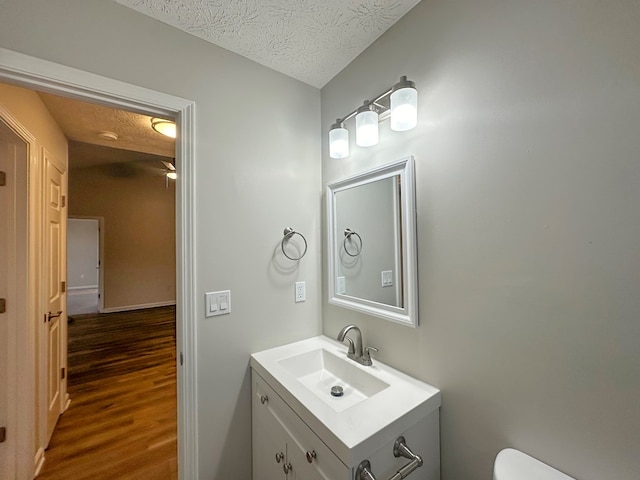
311 455
279 457
264 399
287 468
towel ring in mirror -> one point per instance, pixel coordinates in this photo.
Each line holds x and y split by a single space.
288 234
348 233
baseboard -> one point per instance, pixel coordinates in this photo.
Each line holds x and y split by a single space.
126 308
67 402
86 287
38 462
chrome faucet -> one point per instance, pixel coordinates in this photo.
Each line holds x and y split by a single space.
355 351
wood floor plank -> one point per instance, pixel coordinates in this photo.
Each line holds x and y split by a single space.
122 422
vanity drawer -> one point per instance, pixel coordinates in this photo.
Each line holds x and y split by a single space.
309 457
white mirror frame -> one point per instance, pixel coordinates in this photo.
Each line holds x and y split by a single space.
408 314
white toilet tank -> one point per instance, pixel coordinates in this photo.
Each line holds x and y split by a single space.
514 465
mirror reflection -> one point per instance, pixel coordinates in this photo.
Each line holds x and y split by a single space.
371 242
367 233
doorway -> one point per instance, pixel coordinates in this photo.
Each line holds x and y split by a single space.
33 73
83 266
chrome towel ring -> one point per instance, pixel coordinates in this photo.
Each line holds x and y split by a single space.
289 232
348 233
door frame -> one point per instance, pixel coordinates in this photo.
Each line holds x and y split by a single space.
100 255
42 75
21 342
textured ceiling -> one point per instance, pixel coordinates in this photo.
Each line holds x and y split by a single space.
311 40
82 122
116 162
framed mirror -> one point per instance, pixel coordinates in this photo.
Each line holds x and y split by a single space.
371 243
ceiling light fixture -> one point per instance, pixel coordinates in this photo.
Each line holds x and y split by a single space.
109 136
163 126
400 102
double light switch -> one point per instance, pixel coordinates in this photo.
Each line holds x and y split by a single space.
217 303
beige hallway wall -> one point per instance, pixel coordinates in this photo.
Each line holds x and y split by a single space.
139 233
29 109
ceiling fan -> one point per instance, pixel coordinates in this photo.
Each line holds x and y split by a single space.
142 167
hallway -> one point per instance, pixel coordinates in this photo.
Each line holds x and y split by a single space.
122 421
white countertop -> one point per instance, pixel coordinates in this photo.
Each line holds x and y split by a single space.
361 429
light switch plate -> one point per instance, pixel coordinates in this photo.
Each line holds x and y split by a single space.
387 278
217 303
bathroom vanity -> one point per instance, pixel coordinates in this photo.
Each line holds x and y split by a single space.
306 428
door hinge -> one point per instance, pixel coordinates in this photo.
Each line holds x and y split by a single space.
64 201
63 287
63 373
3 434
181 359
3 305
3 179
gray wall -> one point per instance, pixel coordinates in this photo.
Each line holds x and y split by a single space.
258 171
528 191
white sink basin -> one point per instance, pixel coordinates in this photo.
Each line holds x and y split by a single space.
379 402
319 370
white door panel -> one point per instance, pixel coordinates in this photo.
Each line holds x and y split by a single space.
55 222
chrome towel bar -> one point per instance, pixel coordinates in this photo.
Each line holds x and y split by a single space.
400 449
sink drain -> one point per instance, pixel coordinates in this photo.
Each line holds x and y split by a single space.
337 391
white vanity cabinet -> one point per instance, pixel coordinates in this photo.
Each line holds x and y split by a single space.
283 445
302 432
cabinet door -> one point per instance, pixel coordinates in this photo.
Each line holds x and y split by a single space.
313 460
269 439
276 424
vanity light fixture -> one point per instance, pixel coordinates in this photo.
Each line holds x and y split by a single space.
163 126
400 102
367 125
404 105
338 141
172 175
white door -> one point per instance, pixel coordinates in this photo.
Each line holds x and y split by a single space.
55 269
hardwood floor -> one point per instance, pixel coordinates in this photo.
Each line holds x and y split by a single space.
122 422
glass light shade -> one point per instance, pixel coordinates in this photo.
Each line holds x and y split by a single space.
172 175
367 128
338 142
404 109
165 127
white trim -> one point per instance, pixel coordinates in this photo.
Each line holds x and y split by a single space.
23 290
38 74
38 461
84 287
141 306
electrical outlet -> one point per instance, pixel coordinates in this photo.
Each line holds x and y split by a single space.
300 292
